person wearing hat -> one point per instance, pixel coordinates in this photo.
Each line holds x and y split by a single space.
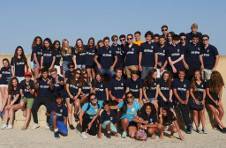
27 90
194 31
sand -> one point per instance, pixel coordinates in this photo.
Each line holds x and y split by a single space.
42 137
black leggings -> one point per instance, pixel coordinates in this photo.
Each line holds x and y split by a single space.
185 113
86 120
37 103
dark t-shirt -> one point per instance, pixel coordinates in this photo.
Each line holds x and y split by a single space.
148 54
106 57
61 111
152 118
26 87
182 87
99 88
19 66
117 87
6 75
134 86
112 116
38 51
131 55
209 56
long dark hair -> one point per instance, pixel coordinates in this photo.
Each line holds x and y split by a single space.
216 82
54 43
124 107
23 57
143 109
50 43
34 44
89 40
79 49
10 86
149 79
169 81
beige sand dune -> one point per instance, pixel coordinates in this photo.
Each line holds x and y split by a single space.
42 137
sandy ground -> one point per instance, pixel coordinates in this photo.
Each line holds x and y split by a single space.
44 138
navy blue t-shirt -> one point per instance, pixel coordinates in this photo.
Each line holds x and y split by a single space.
117 87
73 88
199 89
90 53
182 87
148 54
38 51
58 56
162 57
151 89
175 52
106 57
99 88
131 55
209 56
61 111
6 75
19 65
134 86
69 74
192 56
111 116
26 87
14 93
86 87
164 88
120 54
80 57
47 55
44 89
58 88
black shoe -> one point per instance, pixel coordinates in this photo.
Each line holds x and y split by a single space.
71 127
76 117
218 128
56 135
223 130
188 130
198 131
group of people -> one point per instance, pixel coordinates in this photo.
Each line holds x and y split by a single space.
135 88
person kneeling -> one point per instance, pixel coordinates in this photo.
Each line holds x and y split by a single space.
108 120
149 124
59 118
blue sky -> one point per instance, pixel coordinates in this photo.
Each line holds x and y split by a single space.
21 21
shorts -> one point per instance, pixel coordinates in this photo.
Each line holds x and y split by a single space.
206 74
132 123
29 102
58 68
112 126
81 66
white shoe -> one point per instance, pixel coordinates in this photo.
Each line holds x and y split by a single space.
4 126
9 126
46 126
83 135
35 126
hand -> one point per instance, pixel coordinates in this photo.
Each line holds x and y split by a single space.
174 69
140 68
99 66
89 126
186 66
112 68
162 69
75 98
155 66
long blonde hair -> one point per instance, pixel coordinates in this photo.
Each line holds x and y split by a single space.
65 49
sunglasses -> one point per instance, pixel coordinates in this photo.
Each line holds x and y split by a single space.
130 97
91 99
164 29
129 38
122 40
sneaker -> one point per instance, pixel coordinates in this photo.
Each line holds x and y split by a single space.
124 134
56 135
35 126
204 131
188 131
83 135
9 126
46 126
4 126
198 131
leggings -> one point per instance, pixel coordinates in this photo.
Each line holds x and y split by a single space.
86 120
185 113
37 103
